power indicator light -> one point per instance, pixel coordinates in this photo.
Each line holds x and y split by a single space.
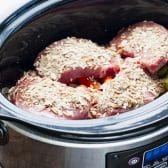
133 161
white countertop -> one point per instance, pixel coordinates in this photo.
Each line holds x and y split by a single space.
7 7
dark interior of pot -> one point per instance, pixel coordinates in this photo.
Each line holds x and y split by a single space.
24 35
96 20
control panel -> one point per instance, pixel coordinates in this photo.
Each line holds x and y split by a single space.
154 155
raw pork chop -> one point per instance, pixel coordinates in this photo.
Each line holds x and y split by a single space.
47 97
146 40
71 58
131 88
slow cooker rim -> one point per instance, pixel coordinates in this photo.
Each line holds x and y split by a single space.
29 13
118 145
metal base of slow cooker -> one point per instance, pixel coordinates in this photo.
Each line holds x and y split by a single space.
56 153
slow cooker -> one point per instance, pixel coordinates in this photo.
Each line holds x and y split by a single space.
136 139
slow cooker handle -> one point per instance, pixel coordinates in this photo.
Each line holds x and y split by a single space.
5 116
4 135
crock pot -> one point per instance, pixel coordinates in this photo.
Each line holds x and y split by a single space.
137 139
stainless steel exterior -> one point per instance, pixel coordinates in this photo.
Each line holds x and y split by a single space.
106 146
55 153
